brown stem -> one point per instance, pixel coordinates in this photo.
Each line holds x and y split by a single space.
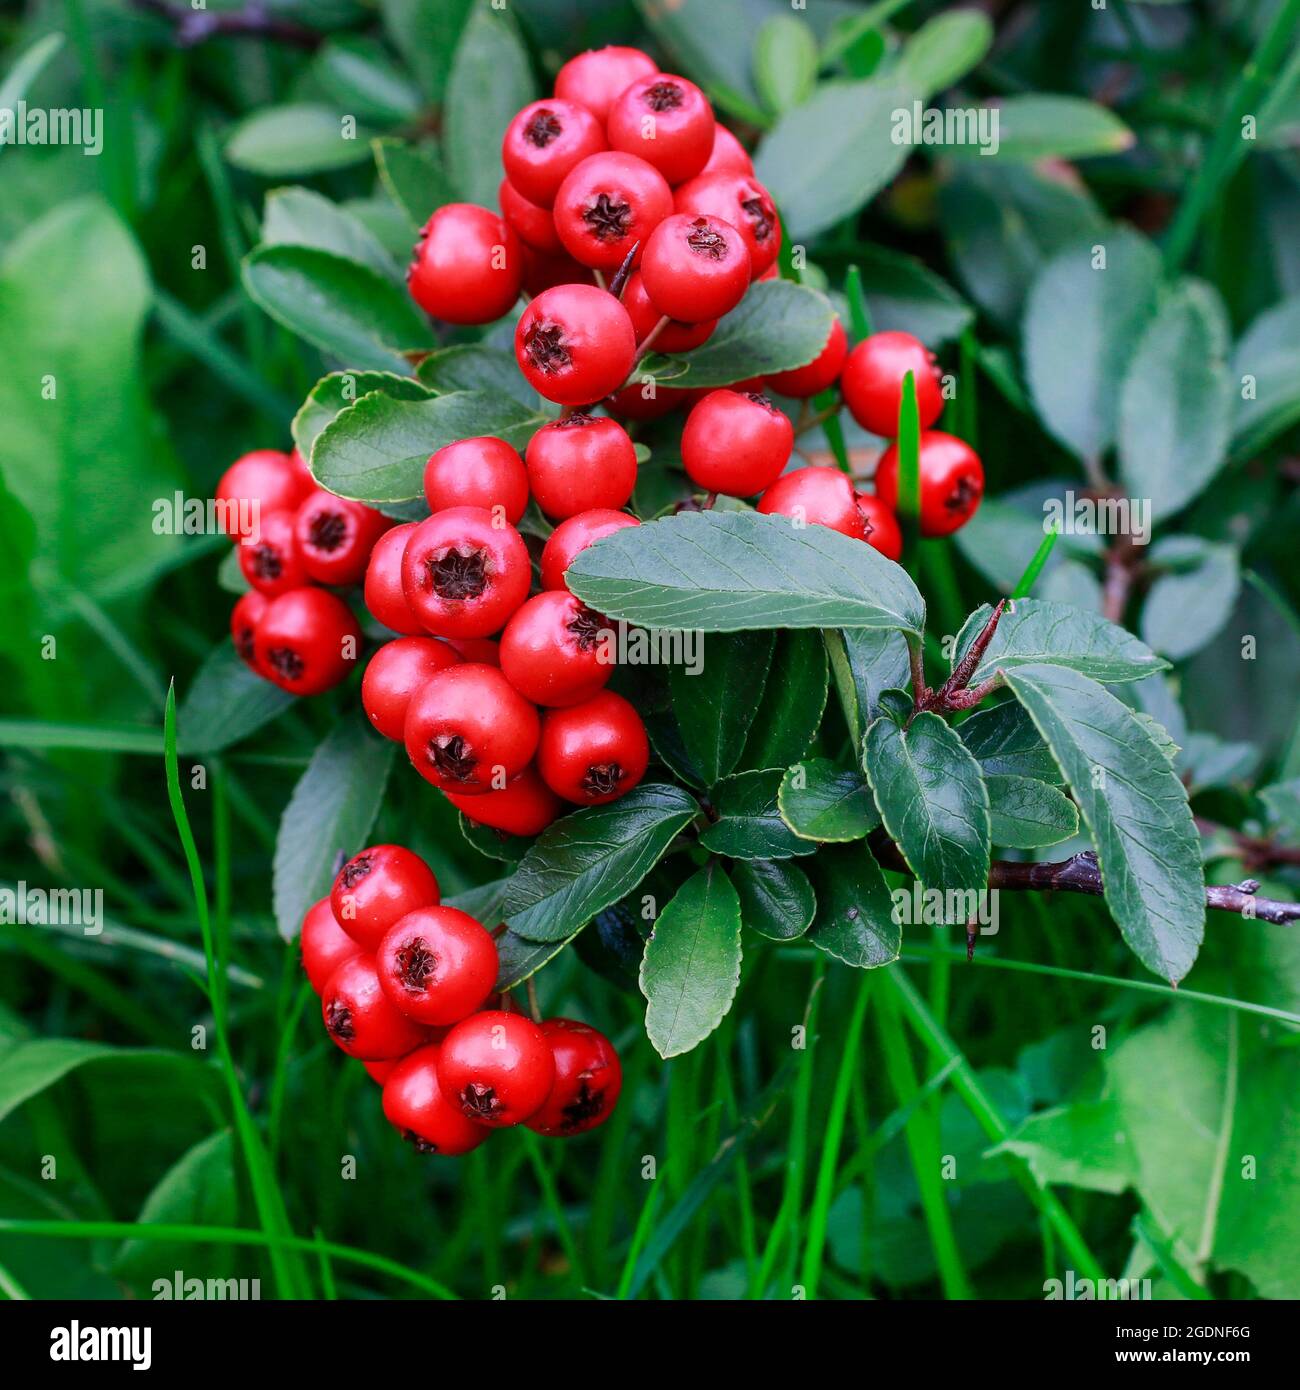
191 27
645 344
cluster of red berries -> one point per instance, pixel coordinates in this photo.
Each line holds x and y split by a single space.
508 729
302 543
406 986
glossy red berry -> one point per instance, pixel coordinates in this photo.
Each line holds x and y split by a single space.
415 1105
609 204
644 399
665 120
543 144
533 225
575 535
881 526
379 1072
872 381
464 572
468 729
578 462
437 965
556 651
735 443
593 752
728 156
481 649
575 344
479 472
335 536
695 267
952 482
307 641
674 336
588 1079
383 592
261 482
359 1017
395 672
821 496
820 374
244 618
468 265
269 557
497 1067
525 806
377 888
737 198
324 944
600 75
543 272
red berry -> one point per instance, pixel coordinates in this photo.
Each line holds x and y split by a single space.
695 267
556 651
414 1104
820 495
244 618
578 462
597 77
324 944
463 574
673 336
729 156
952 482
881 526
437 965
544 142
468 729
667 121
383 592
593 752
588 1078
269 557
544 272
822 372
644 400
396 671
534 226
359 1017
479 472
575 344
525 806
307 641
468 265
380 1071
497 1067
872 381
335 537
264 481
377 888
736 444
740 199
609 204
575 535
481 649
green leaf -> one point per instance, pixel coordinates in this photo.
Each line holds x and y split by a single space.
1192 598
1176 404
1033 631
708 39
490 80
785 62
776 899
592 858
375 450
1028 814
715 702
827 158
338 391
225 703
1080 1145
343 308
1081 325
494 844
358 74
332 808
865 663
820 801
777 326
1266 370
474 367
749 824
1281 803
280 141
855 919
414 178
944 49
1135 808
27 67
299 217
906 296
732 571
425 32
691 968
1006 743
519 959
931 796
1041 125
794 700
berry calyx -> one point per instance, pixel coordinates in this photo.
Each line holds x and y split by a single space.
395 672
599 76
544 142
417 1107
952 482
667 121
608 205
498 1067
736 443
482 471
468 265
739 199
359 1017
820 496
872 381
820 374
324 944
574 535
335 537
880 526
593 752
579 462
306 642
575 344
588 1079
377 888
437 965
244 618
525 806
695 267
383 589
269 557
463 574
556 651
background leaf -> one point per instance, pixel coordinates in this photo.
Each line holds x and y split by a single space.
225 703
1192 598
715 705
855 921
302 138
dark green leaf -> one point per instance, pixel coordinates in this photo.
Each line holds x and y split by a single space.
749 824
494 844
820 801
473 367
866 662
225 704
336 392
904 295
299 217
358 73
776 899
1006 743
424 32
1028 814
709 39
1192 598
715 703
414 178
793 702
518 958
855 920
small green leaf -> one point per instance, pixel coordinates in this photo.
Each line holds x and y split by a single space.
776 899
518 958
855 920
414 178
474 367
749 824
1040 125
1193 596
226 703
494 844
281 141
866 662
338 391
905 295
357 72
715 704
944 49
785 62
794 700
1266 372
691 968
300 217
1005 743
820 801
1027 814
